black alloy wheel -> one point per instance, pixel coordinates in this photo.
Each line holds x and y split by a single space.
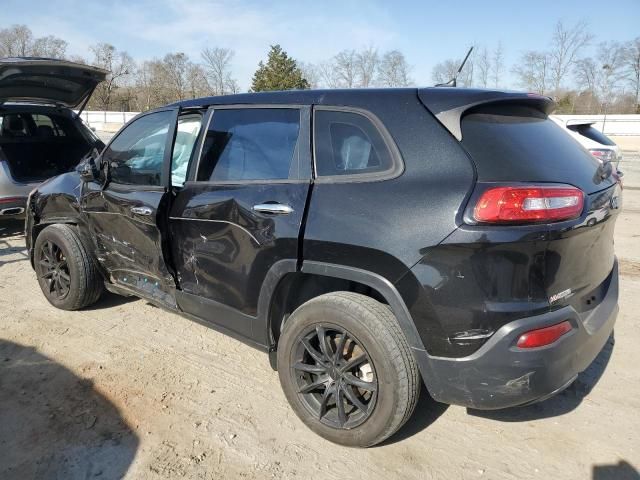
55 269
335 376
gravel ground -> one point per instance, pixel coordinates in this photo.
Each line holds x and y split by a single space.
126 389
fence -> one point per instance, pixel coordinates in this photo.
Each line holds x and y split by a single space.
609 124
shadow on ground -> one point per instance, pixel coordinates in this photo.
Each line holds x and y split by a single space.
427 411
11 228
620 471
54 424
560 404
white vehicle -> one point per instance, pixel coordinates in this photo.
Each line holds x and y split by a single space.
600 146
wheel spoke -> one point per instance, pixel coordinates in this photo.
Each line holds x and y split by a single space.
310 387
64 281
356 382
340 348
325 400
316 355
305 367
47 275
51 285
58 287
323 341
342 414
354 362
353 398
65 276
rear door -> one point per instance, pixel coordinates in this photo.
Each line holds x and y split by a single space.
126 217
45 80
240 211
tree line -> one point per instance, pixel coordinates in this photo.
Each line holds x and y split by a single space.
607 81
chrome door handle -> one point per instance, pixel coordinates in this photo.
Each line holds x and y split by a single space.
146 211
273 208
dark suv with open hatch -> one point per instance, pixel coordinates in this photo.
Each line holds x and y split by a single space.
368 240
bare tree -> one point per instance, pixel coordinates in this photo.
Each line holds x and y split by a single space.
366 66
311 73
632 60
533 71
329 75
18 41
394 70
566 45
611 56
119 64
497 65
197 84
586 72
345 69
444 71
175 67
483 63
49 46
217 62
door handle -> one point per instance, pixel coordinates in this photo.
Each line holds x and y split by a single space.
146 211
273 208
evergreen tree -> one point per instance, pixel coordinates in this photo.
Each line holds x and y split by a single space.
281 72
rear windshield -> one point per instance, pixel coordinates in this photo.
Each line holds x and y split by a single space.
592 134
520 144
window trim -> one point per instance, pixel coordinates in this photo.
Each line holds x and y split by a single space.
304 135
166 160
397 164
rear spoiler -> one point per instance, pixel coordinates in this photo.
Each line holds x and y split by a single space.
449 105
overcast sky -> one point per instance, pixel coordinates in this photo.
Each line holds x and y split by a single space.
425 31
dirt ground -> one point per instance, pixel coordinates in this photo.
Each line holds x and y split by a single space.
125 389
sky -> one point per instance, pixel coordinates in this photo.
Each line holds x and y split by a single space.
427 32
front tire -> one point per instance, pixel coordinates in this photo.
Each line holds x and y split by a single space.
67 274
347 370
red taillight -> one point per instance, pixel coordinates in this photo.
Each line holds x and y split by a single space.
11 199
544 336
529 204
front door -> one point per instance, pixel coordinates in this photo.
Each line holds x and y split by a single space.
125 215
240 211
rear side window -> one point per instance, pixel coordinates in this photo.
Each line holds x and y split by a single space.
249 144
348 143
592 134
47 126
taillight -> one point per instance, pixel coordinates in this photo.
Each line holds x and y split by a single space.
544 336
529 204
603 154
11 199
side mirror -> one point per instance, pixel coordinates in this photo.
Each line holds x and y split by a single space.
87 167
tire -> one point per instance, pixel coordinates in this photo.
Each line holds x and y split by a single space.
59 248
386 383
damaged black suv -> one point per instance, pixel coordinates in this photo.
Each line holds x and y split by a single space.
368 240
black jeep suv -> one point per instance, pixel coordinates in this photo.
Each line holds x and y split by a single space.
368 240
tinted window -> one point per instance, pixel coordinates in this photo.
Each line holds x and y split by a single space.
592 134
37 125
348 143
521 144
137 153
250 144
186 136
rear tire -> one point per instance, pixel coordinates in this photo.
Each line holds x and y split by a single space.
67 273
365 363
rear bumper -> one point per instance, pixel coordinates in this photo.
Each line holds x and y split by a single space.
12 207
501 375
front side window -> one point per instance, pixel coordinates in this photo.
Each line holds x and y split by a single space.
249 144
136 156
183 148
347 143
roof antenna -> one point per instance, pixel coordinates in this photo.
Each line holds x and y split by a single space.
454 81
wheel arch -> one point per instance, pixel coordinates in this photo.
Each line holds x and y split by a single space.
316 278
